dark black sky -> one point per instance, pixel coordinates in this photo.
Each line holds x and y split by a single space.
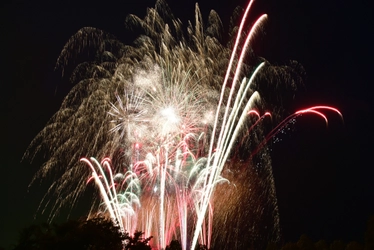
324 177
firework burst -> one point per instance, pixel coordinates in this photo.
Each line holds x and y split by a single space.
173 117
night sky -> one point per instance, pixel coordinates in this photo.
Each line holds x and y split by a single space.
323 176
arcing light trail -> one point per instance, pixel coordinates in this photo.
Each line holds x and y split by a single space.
311 110
166 117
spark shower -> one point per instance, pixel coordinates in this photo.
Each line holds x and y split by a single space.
172 131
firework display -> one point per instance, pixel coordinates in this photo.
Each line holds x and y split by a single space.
170 131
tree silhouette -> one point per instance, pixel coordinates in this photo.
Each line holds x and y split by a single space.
174 245
321 245
93 234
337 245
137 242
305 243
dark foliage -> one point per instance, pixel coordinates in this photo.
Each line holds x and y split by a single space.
175 245
92 234
137 242
101 234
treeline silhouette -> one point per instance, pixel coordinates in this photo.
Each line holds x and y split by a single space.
93 234
101 234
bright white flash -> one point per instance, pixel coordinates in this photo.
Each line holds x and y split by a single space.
170 115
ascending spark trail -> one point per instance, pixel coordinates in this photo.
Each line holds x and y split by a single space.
218 162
